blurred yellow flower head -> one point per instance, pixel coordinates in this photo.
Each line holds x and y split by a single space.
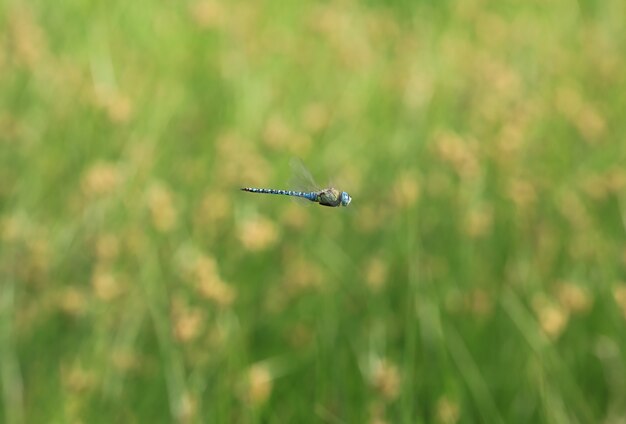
258 233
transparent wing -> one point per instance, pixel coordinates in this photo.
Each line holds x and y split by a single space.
301 178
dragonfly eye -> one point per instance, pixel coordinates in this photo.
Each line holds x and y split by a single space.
345 199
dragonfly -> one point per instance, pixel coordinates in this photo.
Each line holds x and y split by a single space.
326 197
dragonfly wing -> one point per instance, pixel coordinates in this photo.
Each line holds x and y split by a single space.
301 178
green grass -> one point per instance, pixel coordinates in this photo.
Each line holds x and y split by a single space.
478 276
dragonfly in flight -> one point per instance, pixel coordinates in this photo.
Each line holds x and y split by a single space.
326 197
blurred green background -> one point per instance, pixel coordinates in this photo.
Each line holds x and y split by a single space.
479 274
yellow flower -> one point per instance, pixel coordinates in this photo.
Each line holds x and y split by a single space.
447 410
259 384
188 324
161 207
258 234
207 13
101 179
574 298
376 273
479 221
406 190
386 379
73 301
106 286
619 294
107 247
553 318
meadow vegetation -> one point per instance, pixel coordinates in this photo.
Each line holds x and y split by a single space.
479 274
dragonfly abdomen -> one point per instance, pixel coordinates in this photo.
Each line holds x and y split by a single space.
312 196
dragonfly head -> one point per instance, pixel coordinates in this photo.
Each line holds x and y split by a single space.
345 199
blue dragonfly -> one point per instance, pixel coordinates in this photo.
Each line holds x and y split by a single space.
326 197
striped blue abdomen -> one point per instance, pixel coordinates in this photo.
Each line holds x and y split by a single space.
312 196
